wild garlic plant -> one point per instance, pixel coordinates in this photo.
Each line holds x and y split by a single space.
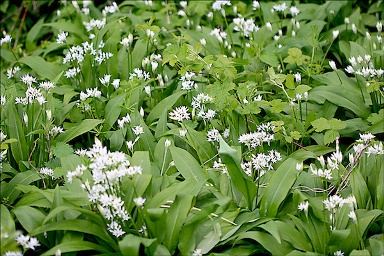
109 170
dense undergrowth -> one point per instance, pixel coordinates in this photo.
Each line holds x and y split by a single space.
192 128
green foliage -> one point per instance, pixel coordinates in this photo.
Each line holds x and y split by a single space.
174 128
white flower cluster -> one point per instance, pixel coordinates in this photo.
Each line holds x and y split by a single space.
280 7
186 82
127 41
264 133
213 135
106 80
110 9
245 26
218 165
77 54
328 166
47 171
99 24
12 71
6 39
140 74
363 66
179 114
108 169
335 202
31 93
218 4
264 162
125 120
47 85
365 139
55 130
27 242
220 35
154 60
198 103
90 92
62 37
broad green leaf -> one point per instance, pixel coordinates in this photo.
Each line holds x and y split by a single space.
10 191
198 141
83 127
278 187
75 247
78 225
186 164
360 190
113 109
189 187
270 59
130 245
20 149
267 241
33 34
41 67
30 218
360 253
176 216
241 182
342 98
211 239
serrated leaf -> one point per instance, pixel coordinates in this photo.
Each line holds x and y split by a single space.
321 124
336 124
62 149
330 136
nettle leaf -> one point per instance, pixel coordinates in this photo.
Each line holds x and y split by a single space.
336 124
295 56
330 136
321 124
277 79
62 149
277 105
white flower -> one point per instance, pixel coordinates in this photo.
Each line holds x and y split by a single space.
354 28
217 5
116 83
376 149
213 135
28 80
379 26
203 42
255 5
154 65
335 34
197 252
368 36
47 171
182 133
269 26
338 253
5 39
350 70
183 4
47 85
167 143
365 137
332 64
147 90
333 203
179 114
294 10
137 130
299 166
280 7
62 37
297 77
150 33
139 201
303 206
115 229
